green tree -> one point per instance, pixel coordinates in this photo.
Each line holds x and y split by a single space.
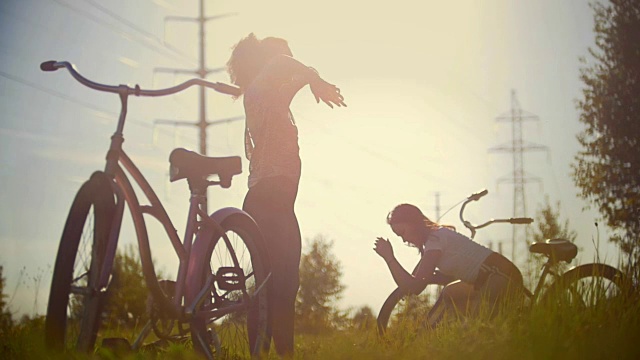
6 322
320 288
127 299
363 318
607 169
549 226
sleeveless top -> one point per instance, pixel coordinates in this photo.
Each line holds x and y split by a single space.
271 135
461 257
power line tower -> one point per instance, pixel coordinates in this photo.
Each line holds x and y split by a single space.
202 72
518 177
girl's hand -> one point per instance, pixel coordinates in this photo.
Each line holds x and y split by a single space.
328 93
383 248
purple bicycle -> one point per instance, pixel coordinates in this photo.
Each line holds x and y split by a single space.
219 295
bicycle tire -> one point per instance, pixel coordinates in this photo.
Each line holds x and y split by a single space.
229 334
408 315
387 308
582 286
73 310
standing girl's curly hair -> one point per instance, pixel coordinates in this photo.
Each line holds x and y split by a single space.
250 55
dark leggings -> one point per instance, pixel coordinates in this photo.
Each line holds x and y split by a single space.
271 204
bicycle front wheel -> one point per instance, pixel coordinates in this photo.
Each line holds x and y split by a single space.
403 312
586 286
75 301
236 326
387 309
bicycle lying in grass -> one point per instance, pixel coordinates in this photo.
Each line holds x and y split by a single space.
582 286
219 295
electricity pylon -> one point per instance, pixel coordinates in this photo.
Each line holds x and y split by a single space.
518 177
202 72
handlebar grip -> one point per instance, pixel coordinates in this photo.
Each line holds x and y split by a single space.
48 66
478 195
228 89
520 220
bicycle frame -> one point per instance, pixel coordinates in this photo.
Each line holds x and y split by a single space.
155 208
546 270
194 228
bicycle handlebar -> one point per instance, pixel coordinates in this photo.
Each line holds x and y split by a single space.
53 65
473 228
520 220
478 195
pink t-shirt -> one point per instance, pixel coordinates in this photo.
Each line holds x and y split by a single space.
271 136
461 257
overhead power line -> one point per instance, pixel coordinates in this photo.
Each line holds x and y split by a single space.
138 29
144 41
76 101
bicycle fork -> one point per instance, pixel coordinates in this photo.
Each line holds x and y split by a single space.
106 268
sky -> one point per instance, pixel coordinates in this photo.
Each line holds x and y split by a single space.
424 82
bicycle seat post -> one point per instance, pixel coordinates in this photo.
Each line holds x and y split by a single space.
197 207
198 189
546 270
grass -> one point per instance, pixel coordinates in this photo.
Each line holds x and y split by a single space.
548 332
537 334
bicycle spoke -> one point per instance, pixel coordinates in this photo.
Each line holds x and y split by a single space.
589 288
74 309
86 273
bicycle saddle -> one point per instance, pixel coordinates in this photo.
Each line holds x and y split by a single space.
185 164
557 249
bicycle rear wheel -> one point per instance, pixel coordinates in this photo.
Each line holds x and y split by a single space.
75 302
586 286
236 262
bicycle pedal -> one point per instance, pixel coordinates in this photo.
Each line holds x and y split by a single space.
230 278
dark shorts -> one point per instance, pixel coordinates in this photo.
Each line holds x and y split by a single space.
497 265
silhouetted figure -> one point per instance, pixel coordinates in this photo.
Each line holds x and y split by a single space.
472 273
269 77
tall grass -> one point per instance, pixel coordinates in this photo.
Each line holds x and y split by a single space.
543 332
551 331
